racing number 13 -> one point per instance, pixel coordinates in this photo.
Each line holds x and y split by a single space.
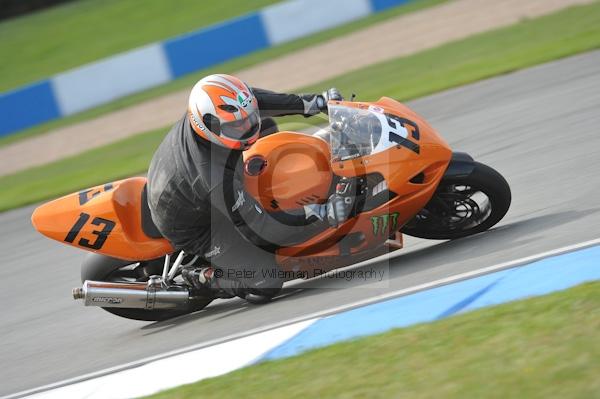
107 227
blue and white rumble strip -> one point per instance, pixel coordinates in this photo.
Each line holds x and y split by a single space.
536 275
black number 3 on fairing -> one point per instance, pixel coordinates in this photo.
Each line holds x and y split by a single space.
102 234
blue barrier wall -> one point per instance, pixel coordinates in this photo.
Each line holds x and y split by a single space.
222 42
123 74
27 106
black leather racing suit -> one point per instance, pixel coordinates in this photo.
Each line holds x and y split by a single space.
198 202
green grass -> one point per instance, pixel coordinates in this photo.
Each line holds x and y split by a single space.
227 67
497 52
525 44
118 160
41 44
544 347
530 42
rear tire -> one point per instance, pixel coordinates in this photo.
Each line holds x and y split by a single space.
99 267
453 213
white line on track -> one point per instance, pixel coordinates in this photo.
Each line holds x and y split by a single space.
322 313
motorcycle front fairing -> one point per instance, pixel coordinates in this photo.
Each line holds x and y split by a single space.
398 158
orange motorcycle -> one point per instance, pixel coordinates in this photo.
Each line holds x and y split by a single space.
408 181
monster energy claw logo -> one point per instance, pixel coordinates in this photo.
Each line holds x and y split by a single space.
383 224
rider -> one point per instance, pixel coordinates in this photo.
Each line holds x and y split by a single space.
196 193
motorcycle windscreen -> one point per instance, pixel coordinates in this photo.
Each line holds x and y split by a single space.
356 132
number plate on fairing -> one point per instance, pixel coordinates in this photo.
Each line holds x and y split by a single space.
104 219
356 132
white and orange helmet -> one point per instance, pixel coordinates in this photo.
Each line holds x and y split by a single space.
224 110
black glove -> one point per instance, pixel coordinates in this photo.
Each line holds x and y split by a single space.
338 206
338 209
332 94
313 104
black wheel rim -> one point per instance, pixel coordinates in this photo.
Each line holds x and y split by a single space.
455 207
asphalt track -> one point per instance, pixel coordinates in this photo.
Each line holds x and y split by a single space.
539 127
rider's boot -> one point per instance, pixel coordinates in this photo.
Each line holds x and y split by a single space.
204 282
207 283
257 299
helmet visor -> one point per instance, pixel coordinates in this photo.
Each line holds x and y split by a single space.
242 129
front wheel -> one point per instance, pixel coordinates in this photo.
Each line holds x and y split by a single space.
463 206
99 267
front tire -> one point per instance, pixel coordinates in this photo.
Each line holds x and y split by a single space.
463 206
98 267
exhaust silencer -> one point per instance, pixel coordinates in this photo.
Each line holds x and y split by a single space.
151 295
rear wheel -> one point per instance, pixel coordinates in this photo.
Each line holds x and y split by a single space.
99 267
463 206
